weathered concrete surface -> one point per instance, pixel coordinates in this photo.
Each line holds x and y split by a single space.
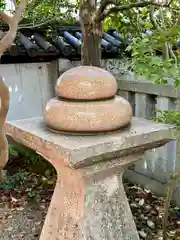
146 87
89 201
78 151
107 214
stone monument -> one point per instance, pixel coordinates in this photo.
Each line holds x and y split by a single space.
89 201
86 103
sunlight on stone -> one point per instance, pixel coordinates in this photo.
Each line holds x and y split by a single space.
10 89
20 98
145 165
47 108
112 185
16 88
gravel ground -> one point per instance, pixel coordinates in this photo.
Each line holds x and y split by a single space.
21 223
24 201
23 209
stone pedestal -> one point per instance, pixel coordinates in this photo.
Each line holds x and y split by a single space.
92 204
89 202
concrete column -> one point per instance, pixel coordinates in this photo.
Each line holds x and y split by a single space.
91 203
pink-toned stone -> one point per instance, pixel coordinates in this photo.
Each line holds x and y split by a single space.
96 116
86 102
86 82
89 201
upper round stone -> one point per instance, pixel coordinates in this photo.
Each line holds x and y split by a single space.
86 82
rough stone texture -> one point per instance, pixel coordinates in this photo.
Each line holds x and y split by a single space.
86 82
89 202
77 151
88 116
115 66
73 109
107 212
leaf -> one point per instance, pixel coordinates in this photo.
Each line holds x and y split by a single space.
135 54
14 199
176 83
141 202
50 182
129 48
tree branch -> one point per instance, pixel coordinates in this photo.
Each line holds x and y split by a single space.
31 25
170 2
103 5
167 202
19 10
153 19
13 26
172 55
5 17
162 18
15 3
166 51
129 6
177 24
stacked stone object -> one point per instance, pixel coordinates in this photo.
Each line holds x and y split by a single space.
85 102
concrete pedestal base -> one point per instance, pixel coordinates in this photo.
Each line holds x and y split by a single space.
89 202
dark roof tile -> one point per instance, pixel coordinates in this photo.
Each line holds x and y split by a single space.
62 42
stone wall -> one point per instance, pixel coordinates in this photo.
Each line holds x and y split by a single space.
116 66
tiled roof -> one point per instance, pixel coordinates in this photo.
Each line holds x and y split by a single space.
64 41
60 41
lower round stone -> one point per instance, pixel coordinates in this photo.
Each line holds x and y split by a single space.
96 116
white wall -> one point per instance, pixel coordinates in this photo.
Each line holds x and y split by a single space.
30 86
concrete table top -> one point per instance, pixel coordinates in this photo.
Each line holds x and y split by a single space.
79 150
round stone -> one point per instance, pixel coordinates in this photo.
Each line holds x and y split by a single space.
86 82
96 116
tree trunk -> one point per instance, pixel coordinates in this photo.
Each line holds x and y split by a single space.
91 31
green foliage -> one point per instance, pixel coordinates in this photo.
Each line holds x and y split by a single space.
146 62
12 151
32 159
2 5
133 20
31 193
170 117
162 68
32 165
152 54
48 11
14 181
